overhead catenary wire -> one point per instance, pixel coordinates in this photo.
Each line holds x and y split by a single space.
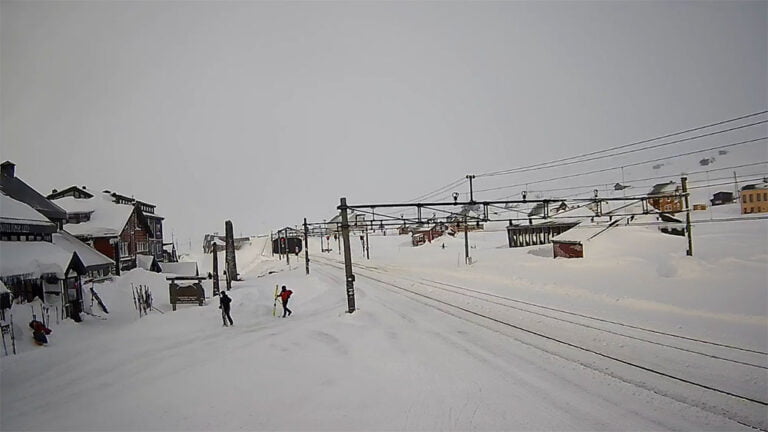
624 165
544 165
440 189
631 181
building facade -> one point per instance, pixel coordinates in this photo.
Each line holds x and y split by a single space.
665 198
754 198
140 232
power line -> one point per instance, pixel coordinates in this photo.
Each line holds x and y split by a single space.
543 164
631 181
633 150
440 190
625 165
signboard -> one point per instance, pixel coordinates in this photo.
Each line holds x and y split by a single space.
186 294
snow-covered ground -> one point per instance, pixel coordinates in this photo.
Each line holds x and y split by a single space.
635 336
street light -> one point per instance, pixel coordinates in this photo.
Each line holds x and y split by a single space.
455 197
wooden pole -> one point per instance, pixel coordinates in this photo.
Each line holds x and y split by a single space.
467 259
306 246
350 278
367 248
688 252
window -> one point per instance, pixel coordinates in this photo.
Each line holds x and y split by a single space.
123 248
751 198
744 199
141 246
758 197
765 196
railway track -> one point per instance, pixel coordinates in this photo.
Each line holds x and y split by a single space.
721 378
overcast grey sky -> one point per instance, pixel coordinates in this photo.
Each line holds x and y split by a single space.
265 113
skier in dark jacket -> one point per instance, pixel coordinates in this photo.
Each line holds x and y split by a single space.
224 302
284 295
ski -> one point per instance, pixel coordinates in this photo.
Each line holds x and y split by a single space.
274 305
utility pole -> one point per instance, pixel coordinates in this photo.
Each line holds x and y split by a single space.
306 246
287 253
271 243
350 278
688 252
467 259
367 249
471 196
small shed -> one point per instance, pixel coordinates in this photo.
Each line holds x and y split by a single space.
720 198
287 240
571 243
424 235
530 235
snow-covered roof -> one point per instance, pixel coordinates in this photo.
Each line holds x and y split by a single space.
145 261
576 213
180 268
762 185
17 189
90 256
13 211
583 232
579 233
32 259
107 218
663 188
3 288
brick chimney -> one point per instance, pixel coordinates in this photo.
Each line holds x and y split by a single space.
8 169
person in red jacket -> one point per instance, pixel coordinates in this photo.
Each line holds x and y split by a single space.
39 332
284 295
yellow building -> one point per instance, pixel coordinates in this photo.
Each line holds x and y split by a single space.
754 198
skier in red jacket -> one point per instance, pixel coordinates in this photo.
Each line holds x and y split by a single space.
284 295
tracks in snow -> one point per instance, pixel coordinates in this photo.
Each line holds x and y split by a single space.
724 379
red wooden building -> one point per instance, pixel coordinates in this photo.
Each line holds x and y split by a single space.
108 226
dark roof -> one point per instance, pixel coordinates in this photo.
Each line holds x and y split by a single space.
663 188
58 194
755 186
20 191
